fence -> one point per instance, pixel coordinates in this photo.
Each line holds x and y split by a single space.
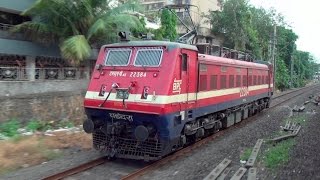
5 27
21 74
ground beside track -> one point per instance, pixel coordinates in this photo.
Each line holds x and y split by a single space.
304 162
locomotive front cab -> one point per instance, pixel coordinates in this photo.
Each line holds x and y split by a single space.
129 102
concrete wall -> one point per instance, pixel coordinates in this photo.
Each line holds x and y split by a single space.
8 46
16 88
45 107
27 48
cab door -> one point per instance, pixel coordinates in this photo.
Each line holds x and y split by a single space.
189 59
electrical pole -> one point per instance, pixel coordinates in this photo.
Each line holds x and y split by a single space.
273 53
291 71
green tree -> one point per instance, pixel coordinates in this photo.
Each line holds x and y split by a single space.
304 68
286 46
262 23
282 75
168 26
77 25
235 22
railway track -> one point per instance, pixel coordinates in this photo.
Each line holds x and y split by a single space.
276 101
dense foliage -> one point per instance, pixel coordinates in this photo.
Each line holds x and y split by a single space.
77 25
168 26
247 28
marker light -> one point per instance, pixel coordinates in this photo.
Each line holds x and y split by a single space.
145 92
115 85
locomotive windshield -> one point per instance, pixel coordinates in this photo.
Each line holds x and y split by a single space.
148 57
117 57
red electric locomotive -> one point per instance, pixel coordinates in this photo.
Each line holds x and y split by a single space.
147 99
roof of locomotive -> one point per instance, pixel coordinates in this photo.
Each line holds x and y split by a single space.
167 44
227 61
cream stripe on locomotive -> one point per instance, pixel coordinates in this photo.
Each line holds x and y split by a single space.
162 99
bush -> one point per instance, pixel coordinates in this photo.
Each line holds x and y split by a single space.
67 124
10 128
33 126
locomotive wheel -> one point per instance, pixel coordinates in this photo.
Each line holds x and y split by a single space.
268 103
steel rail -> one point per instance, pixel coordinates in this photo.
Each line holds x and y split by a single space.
188 149
77 169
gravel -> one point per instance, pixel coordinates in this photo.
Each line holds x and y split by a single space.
199 163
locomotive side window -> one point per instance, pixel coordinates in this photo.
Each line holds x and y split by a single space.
223 82
184 62
254 80
263 80
238 82
203 67
223 69
231 81
213 82
250 80
203 83
259 80
118 57
244 79
148 57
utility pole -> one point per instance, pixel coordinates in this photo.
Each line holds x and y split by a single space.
291 71
273 53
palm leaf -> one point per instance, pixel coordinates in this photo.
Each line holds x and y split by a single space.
75 48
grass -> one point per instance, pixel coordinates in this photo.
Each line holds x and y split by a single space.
10 128
33 150
301 119
246 154
279 154
33 126
67 124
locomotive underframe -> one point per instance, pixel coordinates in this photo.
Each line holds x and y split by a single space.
211 123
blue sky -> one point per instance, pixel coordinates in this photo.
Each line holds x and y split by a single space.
303 17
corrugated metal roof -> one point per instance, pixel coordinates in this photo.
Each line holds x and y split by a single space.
168 44
222 61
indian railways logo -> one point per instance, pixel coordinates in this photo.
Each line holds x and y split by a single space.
176 87
121 116
244 91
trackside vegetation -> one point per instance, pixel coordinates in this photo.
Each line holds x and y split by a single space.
250 29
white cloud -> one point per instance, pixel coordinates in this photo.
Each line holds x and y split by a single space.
304 18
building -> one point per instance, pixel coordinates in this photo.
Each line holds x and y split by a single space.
198 10
23 60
